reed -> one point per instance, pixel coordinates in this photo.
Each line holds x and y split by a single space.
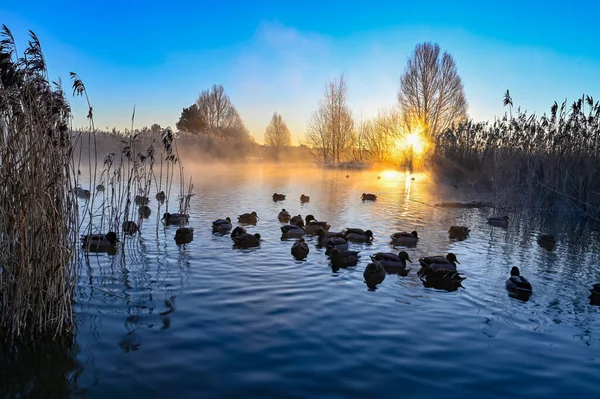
38 212
545 163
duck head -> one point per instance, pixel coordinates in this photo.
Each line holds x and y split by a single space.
111 236
254 214
228 219
404 256
257 236
414 233
166 215
309 218
369 234
452 258
515 271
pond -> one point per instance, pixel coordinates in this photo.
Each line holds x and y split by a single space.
206 320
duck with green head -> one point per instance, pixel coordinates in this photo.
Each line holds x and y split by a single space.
291 231
517 283
175 218
358 235
312 225
100 242
222 225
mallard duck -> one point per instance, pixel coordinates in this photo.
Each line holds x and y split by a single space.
518 283
343 258
312 225
324 236
458 232
247 240
347 176
369 197
84 194
141 200
335 243
144 211
278 197
222 225
498 221
304 198
404 238
546 241
374 274
248 218
100 188
175 218
130 227
291 231
358 235
393 263
99 242
297 220
378 177
284 216
161 197
300 249
447 263
238 231
184 235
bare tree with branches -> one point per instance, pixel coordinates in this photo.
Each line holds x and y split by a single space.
277 135
220 116
330 131
431 91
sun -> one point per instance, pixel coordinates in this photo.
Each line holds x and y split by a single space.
414 141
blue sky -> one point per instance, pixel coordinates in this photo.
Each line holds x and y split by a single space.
276 55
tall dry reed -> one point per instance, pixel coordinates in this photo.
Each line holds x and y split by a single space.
38 209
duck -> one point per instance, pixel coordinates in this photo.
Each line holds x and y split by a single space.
393 263
175 218
144 211
278 197
161 197
291 231
297 220
358 235
332 243
184 235
324 236
284 216
82 193
438 263
100 242
130 227
247 240
312 225
546 241
595 295
405 238
374 274
238 231
343 258
304 198
439 271
300 249
100 188
499 221
369 197
458 232
595 290
248 218
222 225
517 283
141 200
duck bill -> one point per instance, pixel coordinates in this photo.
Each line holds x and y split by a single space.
457 262
409 260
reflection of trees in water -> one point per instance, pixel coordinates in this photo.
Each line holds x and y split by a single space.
40 369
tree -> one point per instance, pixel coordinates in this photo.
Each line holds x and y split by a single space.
431 91
191 120
330 131
220 115
277 134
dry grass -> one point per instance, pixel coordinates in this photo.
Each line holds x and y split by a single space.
38 212
544 163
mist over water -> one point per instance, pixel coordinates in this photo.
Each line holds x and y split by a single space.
206 320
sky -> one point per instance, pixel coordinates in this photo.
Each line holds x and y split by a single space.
276 56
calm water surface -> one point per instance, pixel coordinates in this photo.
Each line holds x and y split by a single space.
204 320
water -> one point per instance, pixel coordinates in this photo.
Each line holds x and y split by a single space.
204 320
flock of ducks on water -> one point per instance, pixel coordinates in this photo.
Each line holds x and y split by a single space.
435 271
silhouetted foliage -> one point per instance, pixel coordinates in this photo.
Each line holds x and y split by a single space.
277 135
431 94
191 120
